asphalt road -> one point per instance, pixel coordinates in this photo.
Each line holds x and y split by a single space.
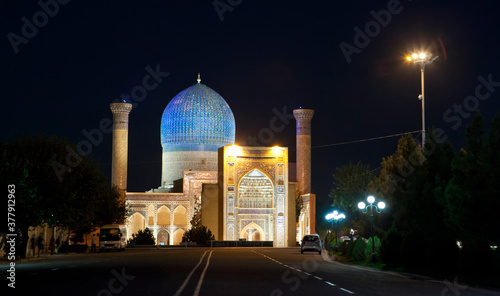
218 271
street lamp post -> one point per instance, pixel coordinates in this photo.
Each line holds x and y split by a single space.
422 59
364 208
335 216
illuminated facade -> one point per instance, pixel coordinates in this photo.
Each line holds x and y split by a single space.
245 192
253 189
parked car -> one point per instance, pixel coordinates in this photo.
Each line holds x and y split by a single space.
311 242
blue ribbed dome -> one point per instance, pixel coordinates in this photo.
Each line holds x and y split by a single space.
197 119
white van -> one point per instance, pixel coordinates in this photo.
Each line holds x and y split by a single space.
113 237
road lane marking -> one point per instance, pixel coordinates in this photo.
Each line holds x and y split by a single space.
54 269
293 268
345 290
189 276
200 281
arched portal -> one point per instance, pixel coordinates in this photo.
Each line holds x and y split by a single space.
163 238
136 222
163 216
255 190
252 232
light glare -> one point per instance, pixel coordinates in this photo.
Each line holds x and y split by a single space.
371 199
361 205
381 205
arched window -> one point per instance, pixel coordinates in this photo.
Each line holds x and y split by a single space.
163 216
180 216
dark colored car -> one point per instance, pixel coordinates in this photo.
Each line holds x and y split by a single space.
311 242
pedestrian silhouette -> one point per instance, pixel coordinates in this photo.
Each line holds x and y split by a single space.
40 244
33 245
94 242
52 245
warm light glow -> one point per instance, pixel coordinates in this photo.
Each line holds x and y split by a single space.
408 58
422 55
276 149
233 150
371 199
361 205
414 56
381 205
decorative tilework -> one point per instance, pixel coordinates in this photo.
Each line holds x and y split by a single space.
197 119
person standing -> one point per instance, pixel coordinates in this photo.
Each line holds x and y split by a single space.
94 242
40 244
33 245
52 245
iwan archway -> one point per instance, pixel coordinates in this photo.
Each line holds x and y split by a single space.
255 203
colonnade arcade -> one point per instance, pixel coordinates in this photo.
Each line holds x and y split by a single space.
168 222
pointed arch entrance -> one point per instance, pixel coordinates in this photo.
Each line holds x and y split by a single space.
163 238
136 222
252 232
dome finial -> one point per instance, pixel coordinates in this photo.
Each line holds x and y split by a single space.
199 79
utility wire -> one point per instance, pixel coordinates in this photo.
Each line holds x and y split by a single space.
369 139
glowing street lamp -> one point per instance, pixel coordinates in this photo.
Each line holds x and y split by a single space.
422 59
364 208
335 216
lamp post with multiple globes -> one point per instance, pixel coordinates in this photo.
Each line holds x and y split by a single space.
378 208
422 59
335 216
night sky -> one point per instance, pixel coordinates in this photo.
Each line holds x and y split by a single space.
260 56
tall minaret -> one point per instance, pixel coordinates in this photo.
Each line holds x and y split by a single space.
120 144
303 117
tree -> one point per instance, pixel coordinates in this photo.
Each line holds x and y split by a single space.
198 232
201 235
145 238
299 202
196 220
351 184
471 197
81 200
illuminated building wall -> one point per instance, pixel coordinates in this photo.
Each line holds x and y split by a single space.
303 118
120 144
253 192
